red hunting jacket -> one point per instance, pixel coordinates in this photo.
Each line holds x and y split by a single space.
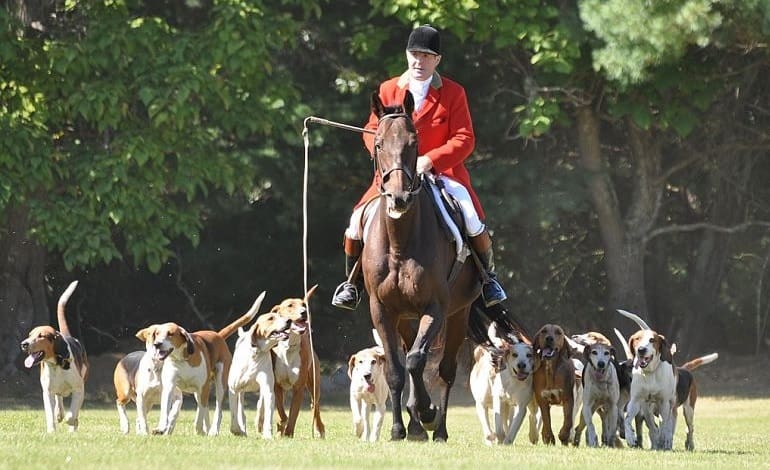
444 129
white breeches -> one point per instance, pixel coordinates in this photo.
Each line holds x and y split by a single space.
473 225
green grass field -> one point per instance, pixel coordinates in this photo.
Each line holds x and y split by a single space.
730 433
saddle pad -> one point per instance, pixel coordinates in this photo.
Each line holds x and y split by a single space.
371 207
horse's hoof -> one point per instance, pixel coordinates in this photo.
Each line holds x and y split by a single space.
397 433
417 437
429 419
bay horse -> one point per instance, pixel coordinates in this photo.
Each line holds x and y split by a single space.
406 263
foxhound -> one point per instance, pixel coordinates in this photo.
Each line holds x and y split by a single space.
501 379
368 389
63 366
554 382
297 367
653 385
137 378
191 362
252 371
601 392
687 394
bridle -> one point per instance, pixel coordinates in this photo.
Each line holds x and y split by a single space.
415 184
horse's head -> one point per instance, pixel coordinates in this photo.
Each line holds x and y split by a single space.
395 154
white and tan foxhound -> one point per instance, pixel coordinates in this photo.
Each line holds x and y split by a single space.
653 384
501 380
297 367
192 362
63 366
601 392
368 389
137 378
252 371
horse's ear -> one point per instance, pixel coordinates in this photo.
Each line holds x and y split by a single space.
408 103
377 108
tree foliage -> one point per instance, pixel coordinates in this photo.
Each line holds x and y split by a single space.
166 135
129 121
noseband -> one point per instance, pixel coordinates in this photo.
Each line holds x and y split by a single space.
415 184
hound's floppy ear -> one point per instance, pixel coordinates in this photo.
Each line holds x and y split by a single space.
587 353
189 340
351 364
665 350
537 341
61 351
632 345
144 333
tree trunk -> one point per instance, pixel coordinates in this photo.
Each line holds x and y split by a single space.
22 289
728 206
622 237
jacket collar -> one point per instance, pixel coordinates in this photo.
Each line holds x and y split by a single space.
403 80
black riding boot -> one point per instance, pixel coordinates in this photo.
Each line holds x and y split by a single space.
491 291
348 294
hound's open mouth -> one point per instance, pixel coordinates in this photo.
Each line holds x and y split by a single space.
643 362
299 326
547 352
369 385
280 335
34 359
522 375
162 354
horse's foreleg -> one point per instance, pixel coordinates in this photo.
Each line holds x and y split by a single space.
420 407
394 370
447 370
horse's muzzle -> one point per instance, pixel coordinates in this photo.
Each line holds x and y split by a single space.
398 204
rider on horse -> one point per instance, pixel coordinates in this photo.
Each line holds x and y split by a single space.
445 140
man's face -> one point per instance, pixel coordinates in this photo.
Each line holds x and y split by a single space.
421 64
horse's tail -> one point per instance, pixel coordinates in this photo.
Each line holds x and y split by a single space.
477 327
506 323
